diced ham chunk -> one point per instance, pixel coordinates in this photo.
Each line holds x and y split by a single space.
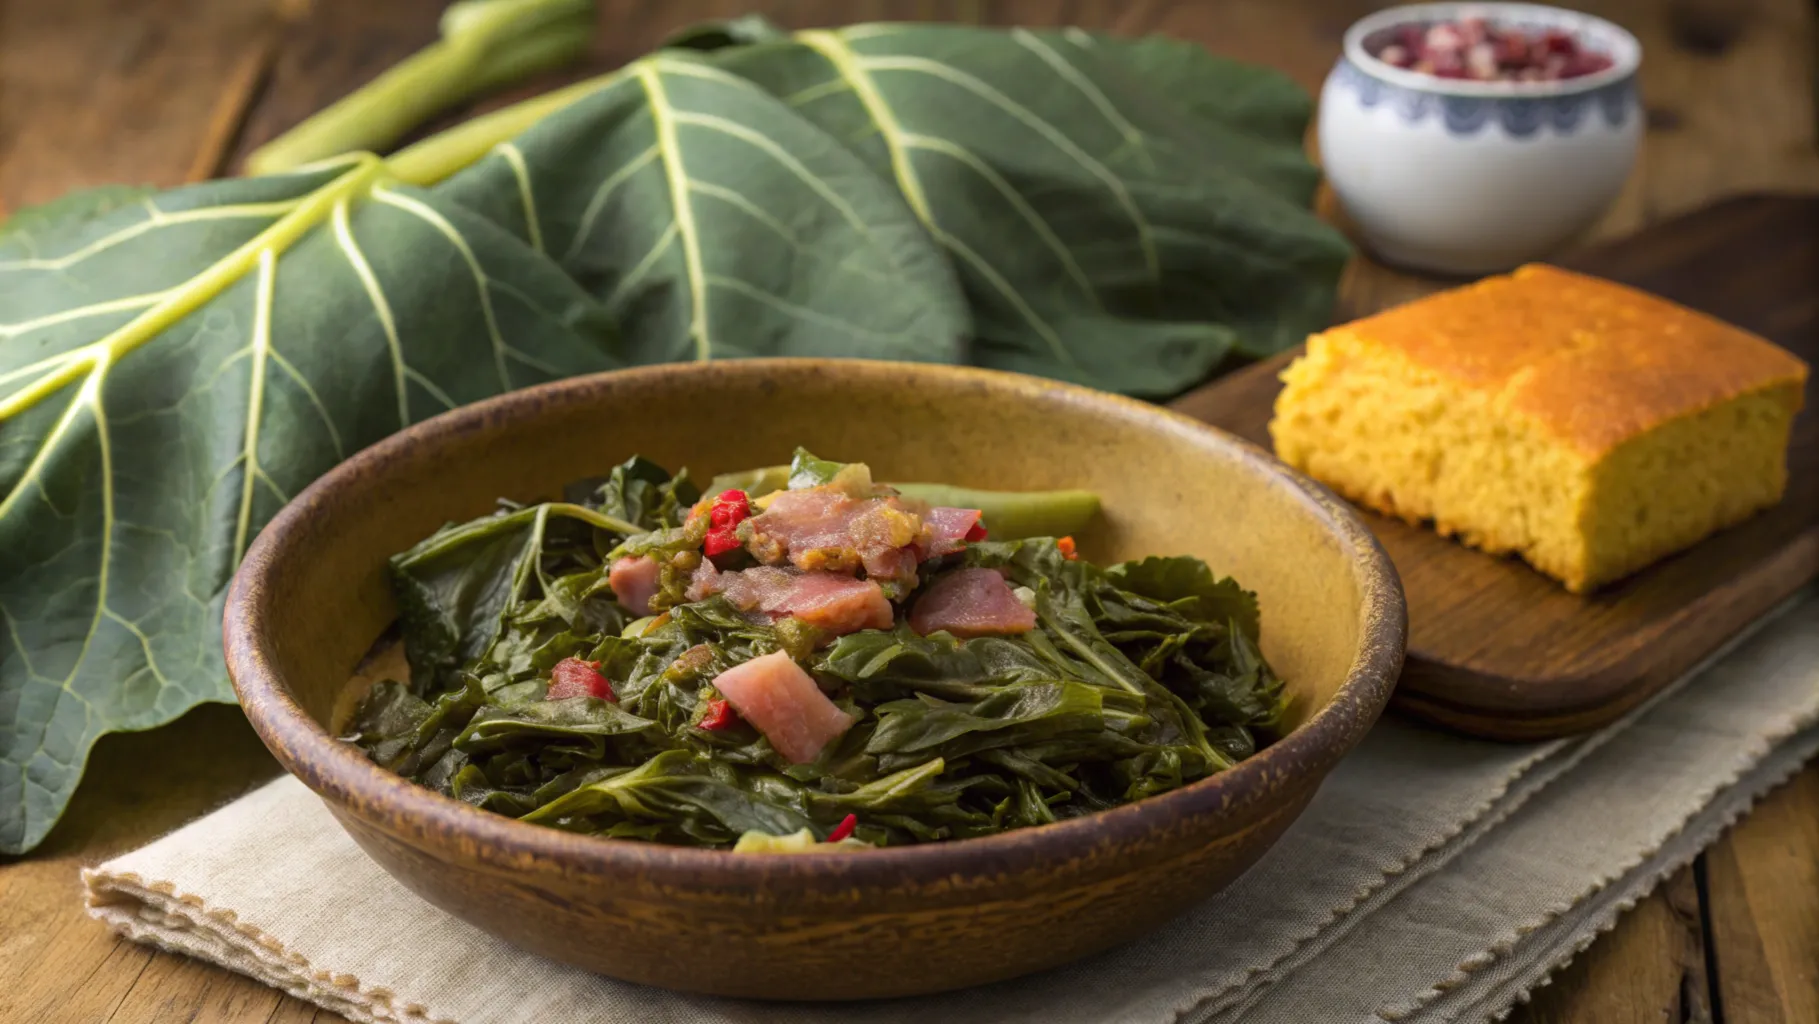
782 702
948 527
826 529
634 582
828 600
703 583
572 677
970 603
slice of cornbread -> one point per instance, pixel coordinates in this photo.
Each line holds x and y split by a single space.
1589 427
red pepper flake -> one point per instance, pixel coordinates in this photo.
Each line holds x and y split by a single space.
975 533
720 715
1066 544
572 677
844 829
729 510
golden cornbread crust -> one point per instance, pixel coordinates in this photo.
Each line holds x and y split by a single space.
1590 361
1589 427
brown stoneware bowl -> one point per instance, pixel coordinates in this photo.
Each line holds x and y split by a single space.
311 601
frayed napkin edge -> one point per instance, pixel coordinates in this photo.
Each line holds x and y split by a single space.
1607 920
1748 760
155 913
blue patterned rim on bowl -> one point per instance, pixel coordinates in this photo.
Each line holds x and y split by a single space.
1466 106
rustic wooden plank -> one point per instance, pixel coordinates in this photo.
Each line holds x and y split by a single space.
177 988
333 47
296 1011
1650 970
1762 886
103 91
56 963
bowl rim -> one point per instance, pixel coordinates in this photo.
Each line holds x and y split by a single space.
340 774
1625 53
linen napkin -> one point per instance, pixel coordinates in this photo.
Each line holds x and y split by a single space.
1433 878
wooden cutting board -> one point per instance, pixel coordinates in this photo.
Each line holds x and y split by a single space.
1496 649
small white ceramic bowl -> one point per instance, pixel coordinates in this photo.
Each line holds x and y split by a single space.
1470 177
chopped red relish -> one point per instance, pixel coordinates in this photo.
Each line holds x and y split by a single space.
1477 50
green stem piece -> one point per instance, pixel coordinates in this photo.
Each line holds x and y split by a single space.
485 44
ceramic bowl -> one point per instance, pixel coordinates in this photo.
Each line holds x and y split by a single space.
1468 177
311 599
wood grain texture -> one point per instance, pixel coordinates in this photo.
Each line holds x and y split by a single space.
86 99
1650 971
107 91
1474 661
1762 884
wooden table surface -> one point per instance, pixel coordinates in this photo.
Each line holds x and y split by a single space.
167 91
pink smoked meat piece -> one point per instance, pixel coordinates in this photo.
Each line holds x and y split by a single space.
634 583
836 603
948 528
704 582
782 702
970 603
796 523
572 677
822 528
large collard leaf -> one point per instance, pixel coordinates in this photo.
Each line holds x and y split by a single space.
1103 233
173 371
713 221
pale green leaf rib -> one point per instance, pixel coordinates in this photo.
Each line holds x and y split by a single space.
173 304
45 365
604 192
34 469
733 284
663 122
832 47
1011 196
64 316
821 90
145 644
156 221
1010 294
344 237
255 403
739 202
1055 136
482 283
744 205
769 147
435 391
1096 96
642 268
315 400
514 158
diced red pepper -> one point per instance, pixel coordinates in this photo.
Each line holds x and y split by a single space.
1066 544
729 510
720 715
975 533
844 829
573 677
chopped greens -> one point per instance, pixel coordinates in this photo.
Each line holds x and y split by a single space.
778 701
